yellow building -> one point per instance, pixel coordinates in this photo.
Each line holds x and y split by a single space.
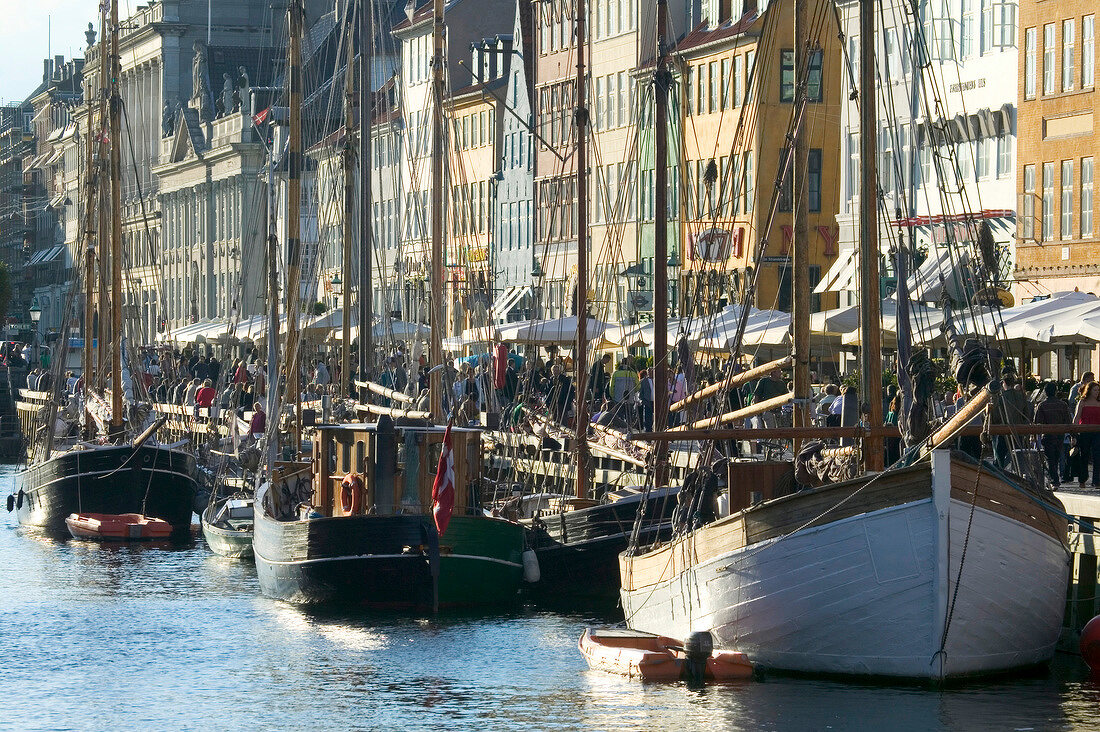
738 92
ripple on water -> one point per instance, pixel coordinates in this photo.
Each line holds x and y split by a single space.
140 637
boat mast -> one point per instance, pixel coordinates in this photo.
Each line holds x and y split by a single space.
349 205
580 358
90 208
116 230
103 327
870 304
271 428
662 79
800 260
366 291
435 351
293 221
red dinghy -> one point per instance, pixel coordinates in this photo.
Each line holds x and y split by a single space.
655 658
117 527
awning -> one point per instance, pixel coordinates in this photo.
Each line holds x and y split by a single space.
507 301
46 255
841 276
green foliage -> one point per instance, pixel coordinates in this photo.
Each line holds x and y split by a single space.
319 308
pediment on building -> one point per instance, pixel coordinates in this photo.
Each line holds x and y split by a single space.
188 140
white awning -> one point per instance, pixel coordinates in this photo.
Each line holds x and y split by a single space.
507 301
841 276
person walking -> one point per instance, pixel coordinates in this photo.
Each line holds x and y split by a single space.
1088 443
1053 410
646 396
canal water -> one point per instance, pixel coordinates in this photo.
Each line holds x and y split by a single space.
142 638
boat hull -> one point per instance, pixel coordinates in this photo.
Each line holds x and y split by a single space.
231 543
385 562
156 482
868 594
578 550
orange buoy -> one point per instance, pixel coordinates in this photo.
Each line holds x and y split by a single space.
351 494
1090 644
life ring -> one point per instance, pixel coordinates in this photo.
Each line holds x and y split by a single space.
351 494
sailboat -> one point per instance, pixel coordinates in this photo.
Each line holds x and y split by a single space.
116 466
941 566
386 514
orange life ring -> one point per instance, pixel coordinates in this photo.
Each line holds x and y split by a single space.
351 494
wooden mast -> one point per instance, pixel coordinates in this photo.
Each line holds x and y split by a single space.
349 206
580 357
91 191
366 289
435 350
103 298
116 230
870 304
661 82
800 261
293 221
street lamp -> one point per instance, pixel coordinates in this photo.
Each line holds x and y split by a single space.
36 315
537 274
674 279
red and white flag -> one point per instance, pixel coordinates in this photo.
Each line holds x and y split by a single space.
260 117
443 489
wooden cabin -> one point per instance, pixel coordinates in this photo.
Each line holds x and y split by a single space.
396 464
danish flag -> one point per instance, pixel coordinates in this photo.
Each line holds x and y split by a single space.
443 489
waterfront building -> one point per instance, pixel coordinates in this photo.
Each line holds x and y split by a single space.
16 147
946 136
1057 244
737 82
467 22
161 79
475 116
55 172
513 238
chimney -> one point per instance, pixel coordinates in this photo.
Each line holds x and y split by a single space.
46 70
58 67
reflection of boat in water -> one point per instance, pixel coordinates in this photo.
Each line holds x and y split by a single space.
227 526
942 569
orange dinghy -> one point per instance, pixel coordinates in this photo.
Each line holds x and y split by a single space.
117 527
656 658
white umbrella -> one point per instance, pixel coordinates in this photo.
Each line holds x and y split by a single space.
556 331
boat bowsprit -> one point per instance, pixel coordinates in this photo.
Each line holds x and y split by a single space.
651 657
118 527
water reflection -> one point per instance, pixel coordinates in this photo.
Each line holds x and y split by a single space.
141 637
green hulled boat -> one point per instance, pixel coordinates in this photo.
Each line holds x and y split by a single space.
356 525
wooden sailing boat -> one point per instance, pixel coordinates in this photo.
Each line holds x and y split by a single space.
943 568
120 471
356 525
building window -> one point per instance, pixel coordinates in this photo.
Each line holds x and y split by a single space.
1004 156
1048 201
1028 223
814 181
1029 63
966 32
945 33
1068 67
1048 58
1086 197
725 81
713 103
983 151
999 21
1088 51
750 74
786 76
813 77
1067 199
735 85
